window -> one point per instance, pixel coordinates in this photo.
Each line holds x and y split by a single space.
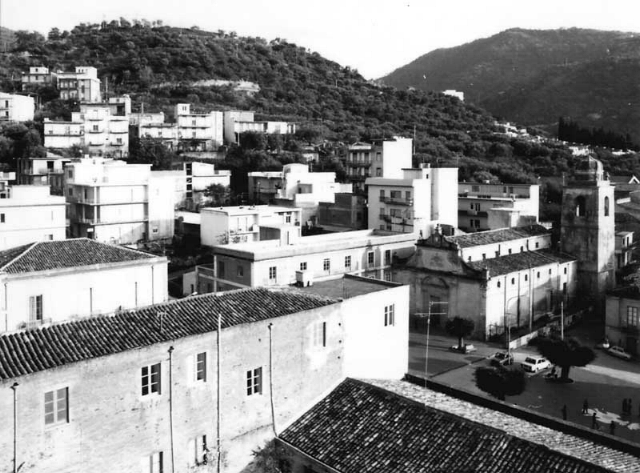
153 463
320 334
70 173
387 276
2 218
303 266
632 316
273 273
287 218
498 283
240 271
387 257
509 250
200 368
254 381
95 127
484 256
220 269
198 451
549 271
370 258
70 192
326 264
521 249
513 281
565 270
580 206
381 195
35 308
389 315
526 277
606 206
407 195
347 262
56 406
151 379
537 244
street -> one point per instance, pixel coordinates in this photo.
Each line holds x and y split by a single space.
604 383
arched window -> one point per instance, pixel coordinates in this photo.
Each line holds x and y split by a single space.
606 206
580 206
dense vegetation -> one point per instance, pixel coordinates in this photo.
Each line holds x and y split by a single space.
569 130
534 76
333 105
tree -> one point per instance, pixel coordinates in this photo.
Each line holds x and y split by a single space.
500 381
218 194
565 354
271 458
459 327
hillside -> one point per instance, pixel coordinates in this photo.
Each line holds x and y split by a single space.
332 104
535 76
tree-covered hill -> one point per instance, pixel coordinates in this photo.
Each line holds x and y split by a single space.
328 101
535 76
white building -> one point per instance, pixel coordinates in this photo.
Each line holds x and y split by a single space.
82 85
492 206
37 76
112 201
454 93
102 127
416 203
28 214
54 281
307 259
203 131
241 224
296 186
240 121
16 108
384 159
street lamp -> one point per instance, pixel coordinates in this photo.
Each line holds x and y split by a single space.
507 327
428 316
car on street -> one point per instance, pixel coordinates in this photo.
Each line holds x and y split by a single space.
603 345
619 352
533 364
501 358
464 349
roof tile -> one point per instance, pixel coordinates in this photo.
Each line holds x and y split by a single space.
497 236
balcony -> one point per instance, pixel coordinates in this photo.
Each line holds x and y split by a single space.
95 131
396 201
358 164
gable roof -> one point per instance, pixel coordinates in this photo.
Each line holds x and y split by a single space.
48 347
519 261
497 236
359 427
58 254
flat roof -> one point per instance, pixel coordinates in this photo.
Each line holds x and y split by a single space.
248 209
347 286
269 249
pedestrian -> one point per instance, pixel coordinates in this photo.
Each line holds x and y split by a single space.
564 412
585 407
594 421
612 428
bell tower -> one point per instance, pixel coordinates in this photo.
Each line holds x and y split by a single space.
588 227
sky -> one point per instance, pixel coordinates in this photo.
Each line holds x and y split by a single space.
373 36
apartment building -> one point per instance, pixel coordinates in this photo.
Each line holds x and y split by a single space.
416 203
102 127
500 279
491 206
28 214
237 122
381 159
43 171
16 108
348 212
201 131
37 76
624 249
116 202
37 279
296 186
173 385
82 85
305 260
241 224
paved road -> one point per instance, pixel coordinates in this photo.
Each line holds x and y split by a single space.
604 383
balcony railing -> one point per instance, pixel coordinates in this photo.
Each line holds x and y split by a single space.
396 200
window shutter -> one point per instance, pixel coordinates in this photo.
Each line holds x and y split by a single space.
324 334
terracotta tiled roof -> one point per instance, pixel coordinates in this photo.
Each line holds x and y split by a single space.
47 255
48 347
359 427
519 261
497 236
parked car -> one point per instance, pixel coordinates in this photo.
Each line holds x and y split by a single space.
533 364
502 358
619 352
464 349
